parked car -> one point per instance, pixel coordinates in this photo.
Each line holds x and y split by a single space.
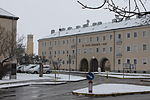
36 70
20 68
26 68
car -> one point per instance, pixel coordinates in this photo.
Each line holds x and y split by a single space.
20 68
36 70
26 68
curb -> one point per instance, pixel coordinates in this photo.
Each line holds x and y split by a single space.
113 94
27 84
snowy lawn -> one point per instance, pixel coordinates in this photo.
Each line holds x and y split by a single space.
126 76
132 74
28 77
108 89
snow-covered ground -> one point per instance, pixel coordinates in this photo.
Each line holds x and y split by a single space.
24 79
133 74
126 75
107 89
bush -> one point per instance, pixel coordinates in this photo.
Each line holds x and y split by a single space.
4 70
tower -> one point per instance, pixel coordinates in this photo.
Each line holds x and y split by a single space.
30 43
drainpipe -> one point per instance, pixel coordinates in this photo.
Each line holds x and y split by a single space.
114 59
76 51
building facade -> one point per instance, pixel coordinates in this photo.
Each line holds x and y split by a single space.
8 28
114 46
30 44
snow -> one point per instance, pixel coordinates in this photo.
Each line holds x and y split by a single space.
103 27
23 77
126 75
13 85
134 74
6 13
114 88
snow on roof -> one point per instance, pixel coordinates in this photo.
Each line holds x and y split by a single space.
6 13
103 27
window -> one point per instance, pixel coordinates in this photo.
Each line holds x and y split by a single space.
67 41
119 36
128 61
50 52
135 61
135 34
45 44
90 39
63 62
144 33
135 48
55 52
104 50
58 42
73 51
144 60
63 52
55 42
104 38
79 51
128 48
110 49
85 50
58 51
119 61
50 43
110 37
97 38
73 40
144 47
128 35
73 62
97 49
63 41
67 51
79 40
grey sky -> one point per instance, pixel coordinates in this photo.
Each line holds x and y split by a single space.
40 16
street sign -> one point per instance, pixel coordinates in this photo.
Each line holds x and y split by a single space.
90 76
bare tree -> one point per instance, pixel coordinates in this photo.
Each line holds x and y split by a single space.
132 7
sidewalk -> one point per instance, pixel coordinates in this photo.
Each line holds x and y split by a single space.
113 90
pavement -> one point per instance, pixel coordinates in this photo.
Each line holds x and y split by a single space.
103 90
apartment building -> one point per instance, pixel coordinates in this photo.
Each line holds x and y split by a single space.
8 28
112 46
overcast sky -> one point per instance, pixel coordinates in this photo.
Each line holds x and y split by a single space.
38 17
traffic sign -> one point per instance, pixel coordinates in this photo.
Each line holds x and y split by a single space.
90 76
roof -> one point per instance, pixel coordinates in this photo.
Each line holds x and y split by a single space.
135 22
6 14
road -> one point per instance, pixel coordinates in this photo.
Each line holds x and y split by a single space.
63 92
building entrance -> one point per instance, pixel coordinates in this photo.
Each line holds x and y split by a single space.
93 65
105 65
84 65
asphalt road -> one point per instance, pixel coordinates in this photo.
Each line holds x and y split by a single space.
63 92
